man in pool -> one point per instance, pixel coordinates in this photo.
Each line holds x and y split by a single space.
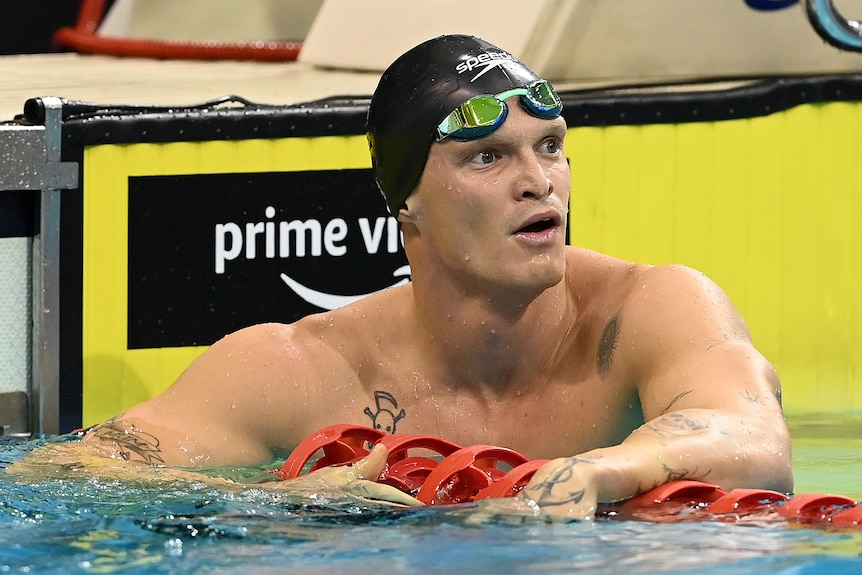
624 375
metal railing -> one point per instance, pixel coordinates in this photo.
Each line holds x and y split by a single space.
32 161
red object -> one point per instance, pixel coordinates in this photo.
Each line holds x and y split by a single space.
85 39
409 472
512 482
671 502
341 444
437 471
681 491
459 477
814 508
746 501
849 517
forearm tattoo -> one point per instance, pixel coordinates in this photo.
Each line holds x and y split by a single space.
129 440
673 424
608 345
544 495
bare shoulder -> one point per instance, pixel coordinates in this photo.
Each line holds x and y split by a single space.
213 413
255 393
249 397
692 347
255 353
668 302
687 300
673 313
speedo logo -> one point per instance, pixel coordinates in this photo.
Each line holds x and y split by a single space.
485 62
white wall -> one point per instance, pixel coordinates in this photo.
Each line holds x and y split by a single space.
15 313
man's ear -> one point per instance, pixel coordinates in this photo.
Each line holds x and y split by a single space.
407 213
404 216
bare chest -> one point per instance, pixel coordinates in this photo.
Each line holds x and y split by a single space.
559 419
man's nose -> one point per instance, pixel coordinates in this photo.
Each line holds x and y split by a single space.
533 179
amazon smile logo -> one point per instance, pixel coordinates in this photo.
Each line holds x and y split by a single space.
330 301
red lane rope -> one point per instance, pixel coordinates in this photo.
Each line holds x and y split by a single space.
84 38
454 474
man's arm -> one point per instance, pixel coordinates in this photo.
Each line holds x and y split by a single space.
69 460
710 400
227 408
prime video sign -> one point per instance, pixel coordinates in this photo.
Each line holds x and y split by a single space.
212 253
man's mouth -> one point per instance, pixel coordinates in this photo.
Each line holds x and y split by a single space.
538 226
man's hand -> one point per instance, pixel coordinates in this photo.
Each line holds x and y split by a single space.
564 488
357 480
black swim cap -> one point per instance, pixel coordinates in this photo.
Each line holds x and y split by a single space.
418 91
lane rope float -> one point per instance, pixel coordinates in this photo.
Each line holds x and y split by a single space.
436 471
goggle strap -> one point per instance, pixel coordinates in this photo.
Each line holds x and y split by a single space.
513 92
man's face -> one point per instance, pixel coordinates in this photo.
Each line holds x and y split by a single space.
493 210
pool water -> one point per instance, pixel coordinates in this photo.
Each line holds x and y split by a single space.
86 524
827 454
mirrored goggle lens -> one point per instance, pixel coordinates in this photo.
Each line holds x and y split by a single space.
474 118
543 99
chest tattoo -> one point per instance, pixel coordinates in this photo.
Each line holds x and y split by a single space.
608 345
386 414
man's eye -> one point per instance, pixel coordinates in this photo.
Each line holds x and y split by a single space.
553 146
482 158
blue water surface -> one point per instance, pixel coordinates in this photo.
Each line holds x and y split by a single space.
88 524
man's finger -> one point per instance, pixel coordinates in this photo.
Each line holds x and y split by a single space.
380 492
372 465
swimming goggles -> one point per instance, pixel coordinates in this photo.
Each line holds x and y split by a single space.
481 115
